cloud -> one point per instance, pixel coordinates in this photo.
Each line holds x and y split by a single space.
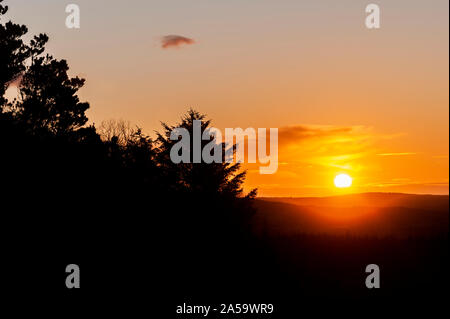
396 154
333 147
175 41
296 134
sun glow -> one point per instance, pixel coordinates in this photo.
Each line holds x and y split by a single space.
343 181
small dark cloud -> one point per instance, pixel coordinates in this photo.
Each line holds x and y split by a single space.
175 41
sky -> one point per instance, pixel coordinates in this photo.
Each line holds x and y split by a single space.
371 103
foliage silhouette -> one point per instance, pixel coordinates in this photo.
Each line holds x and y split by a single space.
118 193
13 52
47 98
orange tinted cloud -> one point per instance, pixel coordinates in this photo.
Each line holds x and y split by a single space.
311 155
325 145
396 154
175 41
298 133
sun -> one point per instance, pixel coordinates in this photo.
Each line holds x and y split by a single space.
343 181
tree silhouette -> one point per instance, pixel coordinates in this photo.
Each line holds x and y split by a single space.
116 189
13 53
223 178
48 100
120 129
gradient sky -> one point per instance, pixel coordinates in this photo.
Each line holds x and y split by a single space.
370 103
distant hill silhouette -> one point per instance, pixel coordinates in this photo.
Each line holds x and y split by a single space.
368 214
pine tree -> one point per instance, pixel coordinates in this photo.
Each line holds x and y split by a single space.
224 179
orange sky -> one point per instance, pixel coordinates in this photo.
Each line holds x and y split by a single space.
370 103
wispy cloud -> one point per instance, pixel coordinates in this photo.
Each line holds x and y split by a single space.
175 41
334 147
396 154
298 133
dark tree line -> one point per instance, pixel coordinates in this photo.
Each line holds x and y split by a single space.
48 113
116 193
111 199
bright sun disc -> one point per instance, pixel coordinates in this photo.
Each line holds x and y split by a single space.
342 181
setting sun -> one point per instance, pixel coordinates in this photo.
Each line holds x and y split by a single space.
342 181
